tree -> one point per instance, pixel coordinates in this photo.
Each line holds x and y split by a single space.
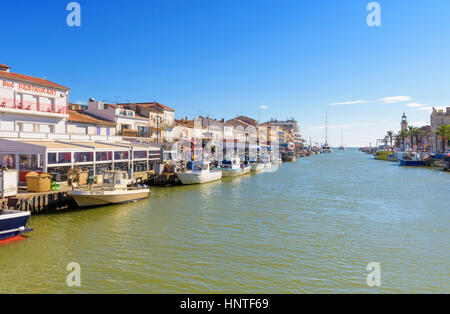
390 135
411 134
443 131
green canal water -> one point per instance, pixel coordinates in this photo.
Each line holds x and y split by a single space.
311 226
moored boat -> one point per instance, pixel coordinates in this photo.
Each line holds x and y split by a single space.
256 166
200 173
411 159
231 167
13 223
383 154
114 190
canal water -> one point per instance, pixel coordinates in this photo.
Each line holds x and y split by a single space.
309 227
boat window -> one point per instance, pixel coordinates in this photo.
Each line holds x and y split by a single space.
108 178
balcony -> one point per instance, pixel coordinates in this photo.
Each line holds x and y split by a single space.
31 107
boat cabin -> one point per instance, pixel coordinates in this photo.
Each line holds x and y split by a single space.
115 180
200 166
231 163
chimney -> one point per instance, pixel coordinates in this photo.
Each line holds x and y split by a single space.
4 68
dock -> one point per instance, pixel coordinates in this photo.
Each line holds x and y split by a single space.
39 202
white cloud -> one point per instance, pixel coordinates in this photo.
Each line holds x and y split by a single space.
414 105
429 108
264 107
354 102
417 124
395 99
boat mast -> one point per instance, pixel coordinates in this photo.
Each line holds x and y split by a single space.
326 128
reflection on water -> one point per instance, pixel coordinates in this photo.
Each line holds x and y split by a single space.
311 226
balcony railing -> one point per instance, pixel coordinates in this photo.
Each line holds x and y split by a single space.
27 105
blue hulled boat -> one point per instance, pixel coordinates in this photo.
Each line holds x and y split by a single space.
13 223
411 159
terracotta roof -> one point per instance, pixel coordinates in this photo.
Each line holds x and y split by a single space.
184 122
31 79
4 66
77 116
248 120
149 104
238 121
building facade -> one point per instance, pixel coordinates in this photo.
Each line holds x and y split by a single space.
31 107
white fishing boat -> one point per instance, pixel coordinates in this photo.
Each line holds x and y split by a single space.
256 166
245 169
276 160
231 167
265 159
200 173
114 190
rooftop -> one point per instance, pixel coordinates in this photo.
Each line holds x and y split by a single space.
152 104
30 79
83 117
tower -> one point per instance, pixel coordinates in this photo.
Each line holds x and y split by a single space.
404 123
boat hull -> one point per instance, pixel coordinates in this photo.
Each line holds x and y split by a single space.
231 172
257 167
99 198
246 170
13 223
412 163
188 178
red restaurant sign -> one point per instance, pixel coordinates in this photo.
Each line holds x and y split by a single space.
30 88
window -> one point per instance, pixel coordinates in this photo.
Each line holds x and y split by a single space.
84 156
123 166
59 158
8 161
30 162
121 155
140 154
103 156
139 166
101 168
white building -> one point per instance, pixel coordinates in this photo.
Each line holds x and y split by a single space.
31 107
128 122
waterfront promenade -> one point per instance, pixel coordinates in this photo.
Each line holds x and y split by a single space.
311 226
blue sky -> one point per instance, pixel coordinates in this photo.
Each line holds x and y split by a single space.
222 58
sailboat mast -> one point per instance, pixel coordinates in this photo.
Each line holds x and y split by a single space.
326 128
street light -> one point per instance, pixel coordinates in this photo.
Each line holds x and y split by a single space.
157 119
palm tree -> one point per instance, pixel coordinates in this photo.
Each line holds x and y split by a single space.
416 132
390 135
444 132
411 134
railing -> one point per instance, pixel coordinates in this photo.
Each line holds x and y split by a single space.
31 106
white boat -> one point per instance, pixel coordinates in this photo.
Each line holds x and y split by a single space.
266 161
200 173
231 167
276 160
114 190
246 169
256 166
326 149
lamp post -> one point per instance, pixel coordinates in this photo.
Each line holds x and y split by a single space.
157 119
